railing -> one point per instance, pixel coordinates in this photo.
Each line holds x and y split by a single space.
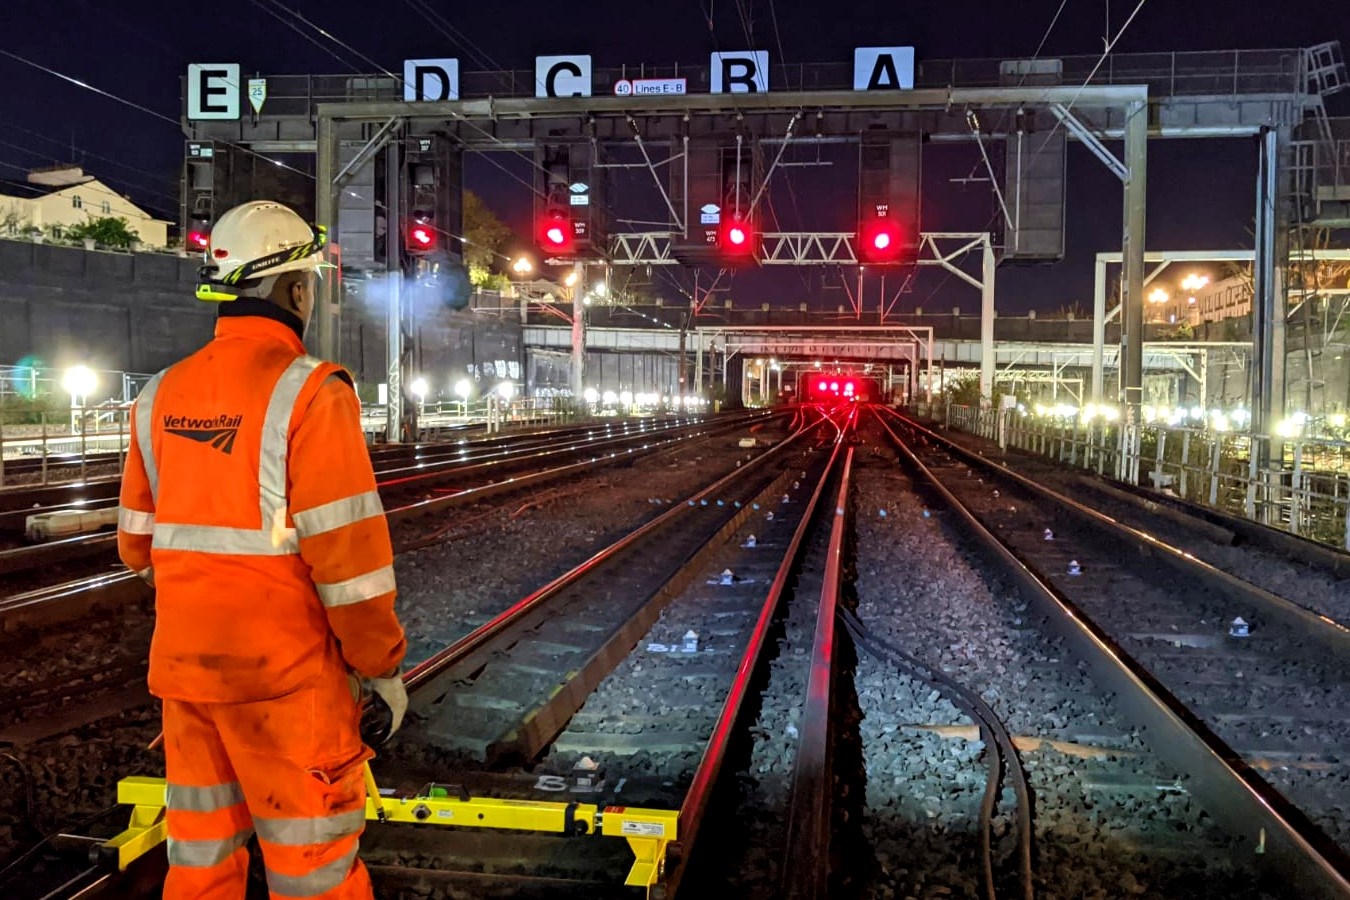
437 418
1220 72
1305 490
57 447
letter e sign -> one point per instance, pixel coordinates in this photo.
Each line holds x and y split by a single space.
213 91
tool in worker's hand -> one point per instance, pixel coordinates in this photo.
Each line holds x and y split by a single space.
373 791
383 701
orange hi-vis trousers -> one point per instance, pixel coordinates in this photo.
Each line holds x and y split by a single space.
289 768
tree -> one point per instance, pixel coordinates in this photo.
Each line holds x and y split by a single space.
108 230
484 237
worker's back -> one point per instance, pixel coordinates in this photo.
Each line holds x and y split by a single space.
238 616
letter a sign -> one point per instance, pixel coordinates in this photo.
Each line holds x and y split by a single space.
883 69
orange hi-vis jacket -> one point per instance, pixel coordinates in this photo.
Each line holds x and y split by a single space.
249 501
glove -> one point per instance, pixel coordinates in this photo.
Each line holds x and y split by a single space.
394 695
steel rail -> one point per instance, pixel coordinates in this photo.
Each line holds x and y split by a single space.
1276 836
431 668
698 798
73 599
806 869
1326 631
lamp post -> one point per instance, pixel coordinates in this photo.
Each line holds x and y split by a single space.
462 391
419 389
522 267
79 382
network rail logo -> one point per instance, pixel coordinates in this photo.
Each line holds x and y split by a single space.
218 431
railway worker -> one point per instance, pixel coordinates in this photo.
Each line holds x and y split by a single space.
249 503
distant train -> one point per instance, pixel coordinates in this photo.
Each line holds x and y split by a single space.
838 387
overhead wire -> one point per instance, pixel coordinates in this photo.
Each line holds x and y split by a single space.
86 187
84 152
145 109
440 229
1110 44
149 190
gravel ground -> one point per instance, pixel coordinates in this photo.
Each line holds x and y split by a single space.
1275 698
1109 821
1300 582
489 558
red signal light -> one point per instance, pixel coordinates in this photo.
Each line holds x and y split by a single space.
422 236
555 232
737 238
198 240
879 241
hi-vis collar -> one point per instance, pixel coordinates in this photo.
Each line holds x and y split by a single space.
211 290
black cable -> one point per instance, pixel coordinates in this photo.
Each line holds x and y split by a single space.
74 827
990 727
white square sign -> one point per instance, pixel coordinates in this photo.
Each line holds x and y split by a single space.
562 76
883 69
740 72
213 91
430 80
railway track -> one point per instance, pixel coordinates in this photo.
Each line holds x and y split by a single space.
686 692
17 503
1256 723
409 489
601 608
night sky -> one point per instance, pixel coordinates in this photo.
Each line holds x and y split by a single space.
1200 192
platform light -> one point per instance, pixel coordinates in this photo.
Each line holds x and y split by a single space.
609 396
419 388
463 388
1194 282
506 390
522 266
626 398
79 381
571 279
590 395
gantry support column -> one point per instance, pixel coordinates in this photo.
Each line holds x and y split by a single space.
579 335
393 316
324 333
987 321
1132 288
1098 330
1268 309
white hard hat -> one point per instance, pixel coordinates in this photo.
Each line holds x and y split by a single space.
256 240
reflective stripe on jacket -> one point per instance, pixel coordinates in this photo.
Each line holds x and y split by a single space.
249 500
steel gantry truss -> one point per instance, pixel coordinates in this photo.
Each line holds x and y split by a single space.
493 122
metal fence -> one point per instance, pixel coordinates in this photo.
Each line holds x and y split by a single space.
1304 489
73 444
